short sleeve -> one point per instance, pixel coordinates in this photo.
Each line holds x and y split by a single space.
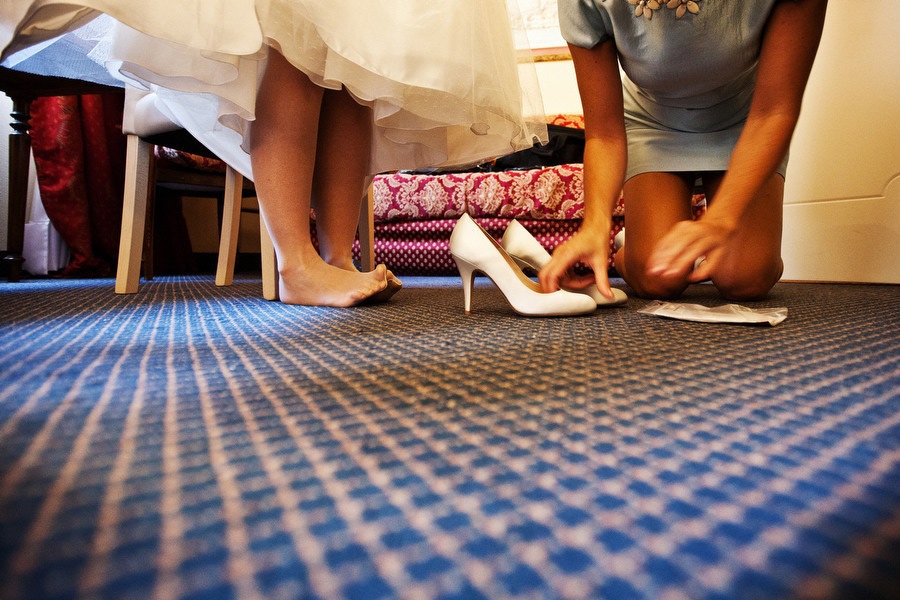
582 23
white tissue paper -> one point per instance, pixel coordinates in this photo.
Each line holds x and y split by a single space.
727 313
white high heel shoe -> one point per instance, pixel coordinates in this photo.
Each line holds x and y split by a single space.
474 250
528 252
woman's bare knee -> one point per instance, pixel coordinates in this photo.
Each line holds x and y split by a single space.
748 284
655 287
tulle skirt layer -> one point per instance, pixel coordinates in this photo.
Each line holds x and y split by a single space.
445 81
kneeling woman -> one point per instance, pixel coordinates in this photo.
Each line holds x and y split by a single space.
711 92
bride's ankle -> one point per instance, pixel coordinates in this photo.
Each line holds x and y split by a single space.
300 263
343 262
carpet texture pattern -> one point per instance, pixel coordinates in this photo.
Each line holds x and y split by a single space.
199 442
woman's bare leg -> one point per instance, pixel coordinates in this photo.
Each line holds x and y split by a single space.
283 142
655 202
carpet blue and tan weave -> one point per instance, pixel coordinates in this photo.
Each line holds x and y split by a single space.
199 442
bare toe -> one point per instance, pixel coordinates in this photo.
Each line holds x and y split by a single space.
392 286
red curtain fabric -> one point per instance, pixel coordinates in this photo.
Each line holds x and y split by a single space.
79 153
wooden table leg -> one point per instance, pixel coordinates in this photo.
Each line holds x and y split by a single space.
19 157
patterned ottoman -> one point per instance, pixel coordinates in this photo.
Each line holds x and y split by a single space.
415 213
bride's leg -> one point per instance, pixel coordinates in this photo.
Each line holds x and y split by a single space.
283 143
341 175
342 161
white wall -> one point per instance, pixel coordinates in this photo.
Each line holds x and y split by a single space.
558 87
842 192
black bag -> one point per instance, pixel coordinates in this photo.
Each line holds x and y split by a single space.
565 146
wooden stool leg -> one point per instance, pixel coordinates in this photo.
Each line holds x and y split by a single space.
148 256
231 224
269 263
134 213
367 231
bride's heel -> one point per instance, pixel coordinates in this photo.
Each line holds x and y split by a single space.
473 249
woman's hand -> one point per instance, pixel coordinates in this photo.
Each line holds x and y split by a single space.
679 250
587 246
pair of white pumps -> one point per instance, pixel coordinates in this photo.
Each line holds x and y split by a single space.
474 250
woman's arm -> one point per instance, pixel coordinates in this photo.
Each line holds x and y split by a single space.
605 155
789 46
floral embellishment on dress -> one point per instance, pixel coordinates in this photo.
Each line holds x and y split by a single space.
684 6
644 7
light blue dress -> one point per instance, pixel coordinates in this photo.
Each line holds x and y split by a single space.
687 82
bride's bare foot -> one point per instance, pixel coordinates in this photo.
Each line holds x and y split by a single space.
321 284
394 285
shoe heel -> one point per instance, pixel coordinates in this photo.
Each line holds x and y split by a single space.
467 273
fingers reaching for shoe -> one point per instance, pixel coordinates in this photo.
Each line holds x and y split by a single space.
525 250
585 248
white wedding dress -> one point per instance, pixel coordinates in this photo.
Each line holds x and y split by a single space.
445 80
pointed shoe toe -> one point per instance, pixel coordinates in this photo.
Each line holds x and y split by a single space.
591 291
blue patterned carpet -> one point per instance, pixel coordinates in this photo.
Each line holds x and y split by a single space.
197 442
